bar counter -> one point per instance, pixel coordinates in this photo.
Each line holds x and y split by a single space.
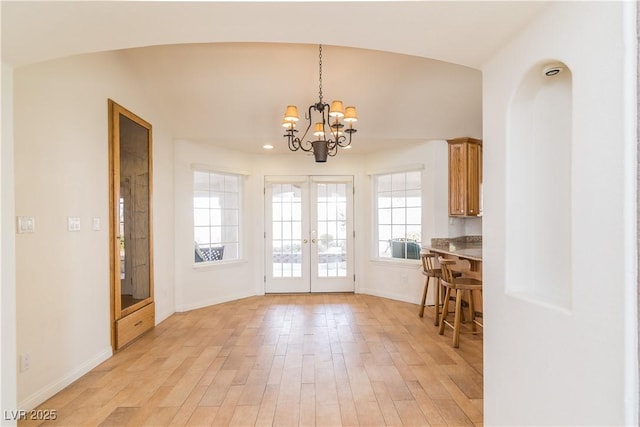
469 255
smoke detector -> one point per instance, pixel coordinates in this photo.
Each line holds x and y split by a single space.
552 70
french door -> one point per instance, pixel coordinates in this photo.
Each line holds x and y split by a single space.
309 234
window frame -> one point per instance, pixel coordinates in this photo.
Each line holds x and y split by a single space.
240 195
375 191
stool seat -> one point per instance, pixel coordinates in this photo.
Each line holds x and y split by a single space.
436 272
460 285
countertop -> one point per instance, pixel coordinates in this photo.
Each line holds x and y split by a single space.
470 251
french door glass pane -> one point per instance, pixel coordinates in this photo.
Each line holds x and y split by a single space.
331 208
286 250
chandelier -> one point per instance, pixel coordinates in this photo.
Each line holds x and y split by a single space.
328 128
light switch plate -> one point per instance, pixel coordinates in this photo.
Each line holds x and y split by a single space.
26 224
73 223
96 224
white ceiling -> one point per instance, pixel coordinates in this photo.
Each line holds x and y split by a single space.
223 72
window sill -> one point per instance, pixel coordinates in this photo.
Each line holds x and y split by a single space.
215 265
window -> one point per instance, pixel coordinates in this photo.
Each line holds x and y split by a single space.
216 216
398 199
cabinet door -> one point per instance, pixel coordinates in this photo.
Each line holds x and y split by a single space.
457 178
474 160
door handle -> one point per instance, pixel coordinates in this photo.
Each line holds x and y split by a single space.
313 240
305 241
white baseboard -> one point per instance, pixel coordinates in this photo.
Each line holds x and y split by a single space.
201 304
58 385
390 295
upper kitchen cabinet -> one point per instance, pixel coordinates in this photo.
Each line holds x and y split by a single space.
465 176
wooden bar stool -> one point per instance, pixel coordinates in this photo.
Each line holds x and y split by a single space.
460 285
429 270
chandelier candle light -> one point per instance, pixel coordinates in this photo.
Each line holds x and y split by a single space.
326 143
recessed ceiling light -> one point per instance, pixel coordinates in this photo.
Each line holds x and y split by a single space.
348 147
268 147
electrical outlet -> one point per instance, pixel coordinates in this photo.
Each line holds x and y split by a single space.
25 362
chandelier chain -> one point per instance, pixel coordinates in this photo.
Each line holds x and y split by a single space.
320 74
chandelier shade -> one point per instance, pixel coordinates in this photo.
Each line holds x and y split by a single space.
328 126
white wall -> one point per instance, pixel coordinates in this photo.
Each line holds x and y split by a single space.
201 286
544 365
403 280
8 391
61 170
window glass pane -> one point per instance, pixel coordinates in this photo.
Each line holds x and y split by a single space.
200 181
384 249
200 217
414 215
399 199
231 251
398 216
286 230
276 211
398 231
384 216
201 235
230 217
200 199
216 216
277 231
296 230
413 233
231 201
398 181
384 200
384 232
296 211
322 211
231 183
332 212
215 200
384 183
286 212
229 234
216 235
216 182
414 198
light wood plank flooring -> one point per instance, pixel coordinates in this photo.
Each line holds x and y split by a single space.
284 360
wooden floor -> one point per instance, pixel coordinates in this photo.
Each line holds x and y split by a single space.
328 359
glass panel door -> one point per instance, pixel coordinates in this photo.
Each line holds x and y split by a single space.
287 263
309 234
332 234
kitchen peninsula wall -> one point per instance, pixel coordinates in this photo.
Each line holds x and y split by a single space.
468 226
